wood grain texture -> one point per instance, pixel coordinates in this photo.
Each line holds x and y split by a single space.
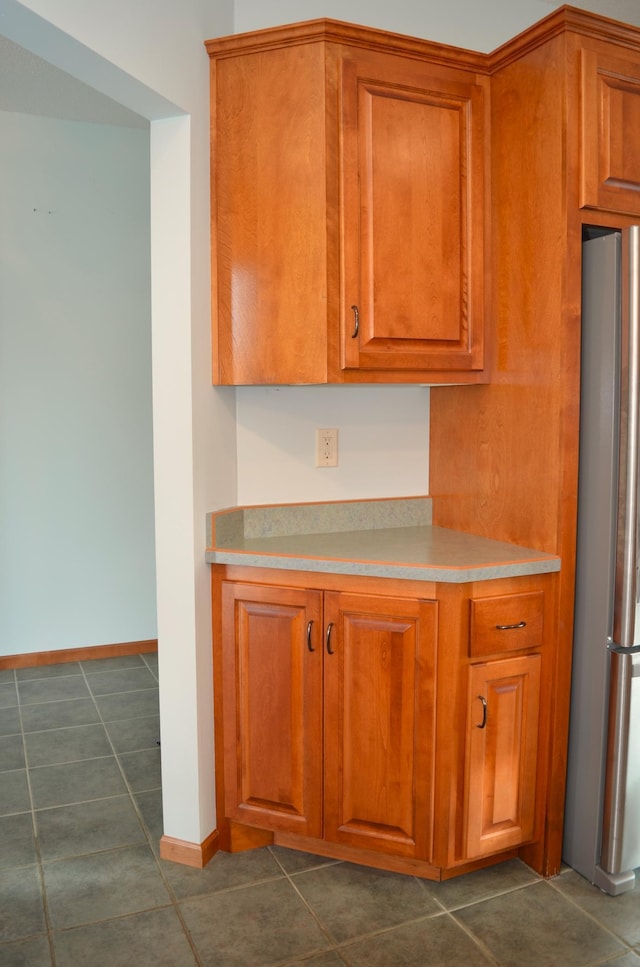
380 723
610 135
413 215
395 707
346 177
269 215
271 666
506 622
504 456
502 753
182 851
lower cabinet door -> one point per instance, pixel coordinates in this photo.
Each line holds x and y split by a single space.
379 722
501 754
272 653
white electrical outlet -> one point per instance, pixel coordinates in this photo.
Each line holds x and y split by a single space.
326 447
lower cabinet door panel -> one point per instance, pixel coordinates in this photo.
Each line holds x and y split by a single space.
272 706
379 723
501 754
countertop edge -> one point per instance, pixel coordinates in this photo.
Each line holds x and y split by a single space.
440 574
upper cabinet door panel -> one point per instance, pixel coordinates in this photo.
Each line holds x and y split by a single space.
413 187
610 131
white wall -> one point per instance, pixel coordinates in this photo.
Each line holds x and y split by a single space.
465 23
76 468
150 57
383 442
476 24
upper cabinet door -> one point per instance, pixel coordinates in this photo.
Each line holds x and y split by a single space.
413 215
610 130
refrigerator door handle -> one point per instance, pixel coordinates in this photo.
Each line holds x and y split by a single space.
626 582
620 830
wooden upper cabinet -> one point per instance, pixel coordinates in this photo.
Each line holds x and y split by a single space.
348 189
610 88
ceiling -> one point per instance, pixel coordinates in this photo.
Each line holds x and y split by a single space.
31 85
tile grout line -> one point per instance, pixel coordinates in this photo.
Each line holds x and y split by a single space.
128 792
594 919
336 948
36 836
173 900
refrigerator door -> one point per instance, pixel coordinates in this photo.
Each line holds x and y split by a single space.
621 805
595 565
602 817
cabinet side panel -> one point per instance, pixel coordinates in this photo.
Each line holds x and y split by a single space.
269 216
504 458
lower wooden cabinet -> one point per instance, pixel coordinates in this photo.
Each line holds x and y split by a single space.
400 731
329 715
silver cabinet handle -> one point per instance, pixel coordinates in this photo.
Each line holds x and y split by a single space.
484 712
356 321
330 650
520 624
309 645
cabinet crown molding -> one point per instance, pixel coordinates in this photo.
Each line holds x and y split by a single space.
326 30
566 19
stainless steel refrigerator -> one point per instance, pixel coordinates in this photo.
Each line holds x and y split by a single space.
602 816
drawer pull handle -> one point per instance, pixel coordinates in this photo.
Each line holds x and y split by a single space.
356 321
330 650
520 624
484 712
309 645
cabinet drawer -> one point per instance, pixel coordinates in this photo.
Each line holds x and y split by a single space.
507 622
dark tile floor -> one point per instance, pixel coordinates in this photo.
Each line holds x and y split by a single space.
81 882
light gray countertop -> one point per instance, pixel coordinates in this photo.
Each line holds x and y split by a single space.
378 538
